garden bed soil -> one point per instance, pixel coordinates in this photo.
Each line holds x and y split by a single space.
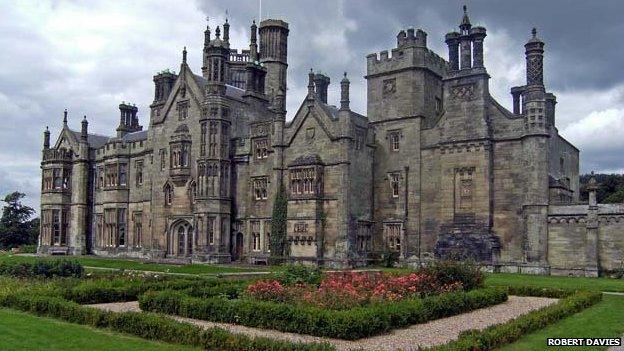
433 333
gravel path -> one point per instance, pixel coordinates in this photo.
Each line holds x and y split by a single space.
439 331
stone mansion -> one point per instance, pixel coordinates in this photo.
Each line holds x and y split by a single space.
435 169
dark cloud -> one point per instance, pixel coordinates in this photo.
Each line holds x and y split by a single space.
89 56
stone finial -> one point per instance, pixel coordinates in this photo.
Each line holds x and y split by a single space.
226 31
534 32
65 117
184 55
592 187
465 24
218 32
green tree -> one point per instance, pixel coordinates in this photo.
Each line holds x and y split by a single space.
278 224
16 227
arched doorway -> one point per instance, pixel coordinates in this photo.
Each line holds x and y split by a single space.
180 239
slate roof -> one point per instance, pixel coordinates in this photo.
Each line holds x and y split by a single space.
95 140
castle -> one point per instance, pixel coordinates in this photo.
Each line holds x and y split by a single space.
436 169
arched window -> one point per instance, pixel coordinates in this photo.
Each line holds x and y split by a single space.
168 194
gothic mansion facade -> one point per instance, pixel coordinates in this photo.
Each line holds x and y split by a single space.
437 167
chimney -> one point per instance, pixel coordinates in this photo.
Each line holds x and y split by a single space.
321 82
344 92
46 138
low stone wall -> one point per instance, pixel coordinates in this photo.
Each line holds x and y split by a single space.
585 239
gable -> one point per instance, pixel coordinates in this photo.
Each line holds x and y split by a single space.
315 112
185 88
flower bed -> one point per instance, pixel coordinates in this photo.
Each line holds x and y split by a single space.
344 290
347 324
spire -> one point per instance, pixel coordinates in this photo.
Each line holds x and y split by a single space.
184 56
465 24
65 118
226 31
311 83
84 131
207 33
253 46
46 138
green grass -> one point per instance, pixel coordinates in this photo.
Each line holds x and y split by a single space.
22 331
578 283
142 266
605 319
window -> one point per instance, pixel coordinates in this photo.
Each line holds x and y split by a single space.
110 227
138 229
66 179
121 226
394 140
100 172
260 188
184 159
363 238
359 139
393 236
212 139
163 159
46 223
56 174
210 230
139 173
303 181
255 234
48 179
261 148
182 110
122 174
99 230
193 192
111 175
561 165
168 194
438 105
202 149
56 227
395 183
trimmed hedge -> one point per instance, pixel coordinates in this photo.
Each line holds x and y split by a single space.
42 268
345 324
503 334
119 290
150 326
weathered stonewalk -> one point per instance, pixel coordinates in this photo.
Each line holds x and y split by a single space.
433 333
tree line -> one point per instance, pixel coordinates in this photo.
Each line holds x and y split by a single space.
610 188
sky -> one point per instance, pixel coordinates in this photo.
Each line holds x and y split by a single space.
88 56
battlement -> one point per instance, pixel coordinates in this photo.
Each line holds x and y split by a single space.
411 53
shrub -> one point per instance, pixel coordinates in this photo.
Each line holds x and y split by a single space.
28 248
150 326
298 274
43 268
349 324
498 335
447 272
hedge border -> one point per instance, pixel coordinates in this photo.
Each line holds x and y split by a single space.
500 335
349 324
151 326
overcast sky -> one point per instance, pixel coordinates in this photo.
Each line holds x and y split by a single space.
88 56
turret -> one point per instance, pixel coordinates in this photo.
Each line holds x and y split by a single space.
466 46
46 138
255 73
273 53
216 56
344 93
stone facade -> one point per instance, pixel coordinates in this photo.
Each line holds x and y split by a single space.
437 168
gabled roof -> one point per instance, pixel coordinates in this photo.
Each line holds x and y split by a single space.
95 140
135 136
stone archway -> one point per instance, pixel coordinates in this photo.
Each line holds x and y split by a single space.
180 239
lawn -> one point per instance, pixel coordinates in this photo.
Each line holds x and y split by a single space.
580 283
606 319
22 331
141 266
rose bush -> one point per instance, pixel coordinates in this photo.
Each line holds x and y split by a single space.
343 290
